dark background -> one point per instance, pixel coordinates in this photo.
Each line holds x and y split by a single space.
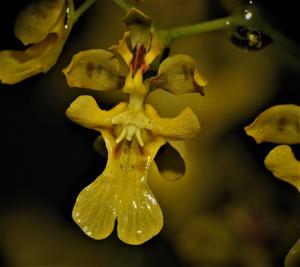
44 156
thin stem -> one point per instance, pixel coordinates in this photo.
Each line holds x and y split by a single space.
79 11
289 48
123 4
208 26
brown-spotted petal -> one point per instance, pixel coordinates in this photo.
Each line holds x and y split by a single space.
35 22
178 74
279 124
95 69
170 163
85 111
282 163
183 126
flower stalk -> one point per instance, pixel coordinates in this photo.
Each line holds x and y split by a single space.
86 5
123 4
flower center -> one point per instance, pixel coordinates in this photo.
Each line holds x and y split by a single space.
138 59
133 120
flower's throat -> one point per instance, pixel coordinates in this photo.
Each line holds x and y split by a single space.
138 59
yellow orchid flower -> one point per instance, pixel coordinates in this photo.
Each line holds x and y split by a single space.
132 131
279 124
45 25
121 193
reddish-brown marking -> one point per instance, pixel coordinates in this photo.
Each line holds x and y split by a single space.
138 59
281 124
141 166
99 68
117 151
90 69
187 72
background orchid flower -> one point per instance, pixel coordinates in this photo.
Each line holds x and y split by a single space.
281 125
292 259
133 132
44 25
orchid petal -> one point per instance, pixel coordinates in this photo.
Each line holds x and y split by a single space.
85 111
183 126
95 69
178 74
121 192
17 66
35 22
279 124
282 163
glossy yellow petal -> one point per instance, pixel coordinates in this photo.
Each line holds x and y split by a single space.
95 209
170 163
121 192
282 163
85 111
184 126
178 74
279 124
155 49
19 65
293 257
35 22
122 49
95 69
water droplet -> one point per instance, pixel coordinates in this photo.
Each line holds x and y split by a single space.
250 38
248 15
67 17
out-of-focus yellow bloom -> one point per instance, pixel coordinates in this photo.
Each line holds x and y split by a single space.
132 131
214 240
282 163
281 125
45 25
207 240
292 259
